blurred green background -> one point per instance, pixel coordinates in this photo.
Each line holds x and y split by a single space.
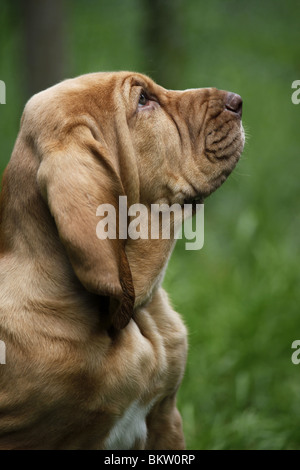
239 295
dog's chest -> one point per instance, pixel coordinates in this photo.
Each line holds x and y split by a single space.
111 385
130 428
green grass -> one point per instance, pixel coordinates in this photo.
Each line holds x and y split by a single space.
239 295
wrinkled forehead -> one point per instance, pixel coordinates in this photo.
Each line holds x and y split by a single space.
121 84
128 80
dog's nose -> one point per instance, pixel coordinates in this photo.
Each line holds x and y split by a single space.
234 103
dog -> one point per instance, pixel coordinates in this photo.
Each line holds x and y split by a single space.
95 353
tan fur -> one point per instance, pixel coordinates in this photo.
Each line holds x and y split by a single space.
87 327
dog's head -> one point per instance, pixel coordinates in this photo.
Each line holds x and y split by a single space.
89 140
186 142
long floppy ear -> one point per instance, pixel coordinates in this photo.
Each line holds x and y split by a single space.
75 177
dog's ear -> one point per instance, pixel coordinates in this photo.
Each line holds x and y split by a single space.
74 178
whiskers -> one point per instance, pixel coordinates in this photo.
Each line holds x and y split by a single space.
246 133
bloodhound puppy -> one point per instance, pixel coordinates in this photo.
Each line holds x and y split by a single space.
94 351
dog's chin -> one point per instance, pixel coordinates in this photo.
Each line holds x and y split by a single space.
194 202
212 172
224 165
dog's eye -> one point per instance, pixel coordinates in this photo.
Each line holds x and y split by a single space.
144 100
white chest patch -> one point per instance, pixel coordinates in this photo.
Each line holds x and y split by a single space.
130 427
